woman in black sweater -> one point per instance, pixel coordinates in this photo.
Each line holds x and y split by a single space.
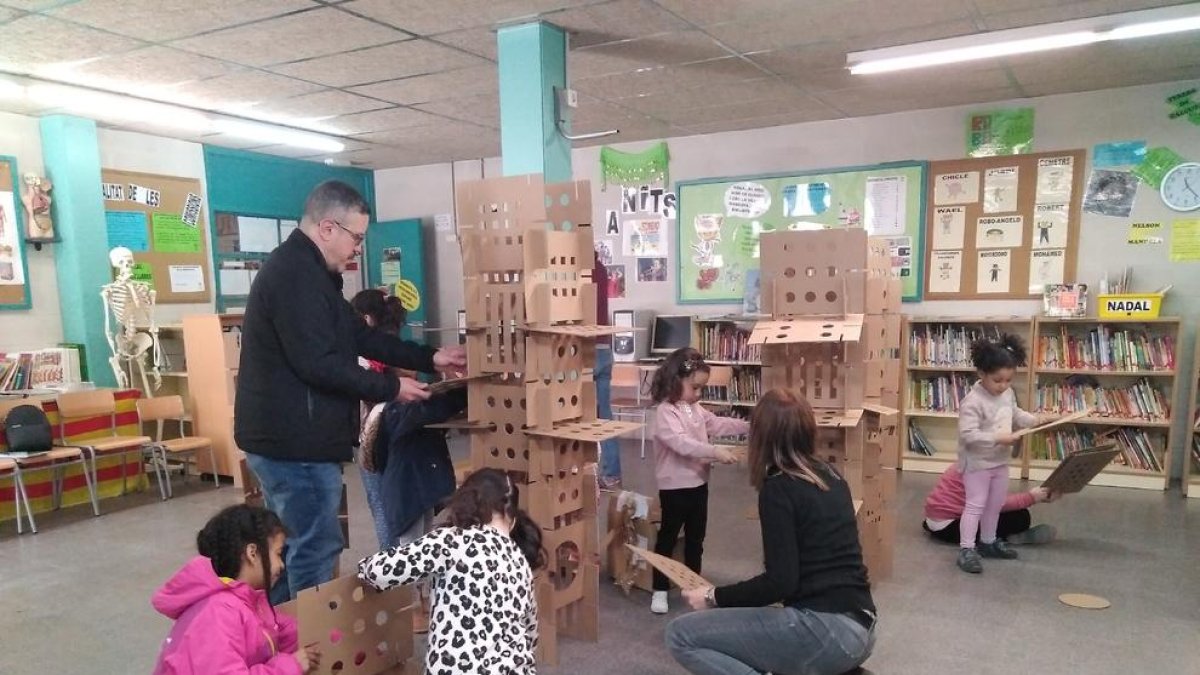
813 566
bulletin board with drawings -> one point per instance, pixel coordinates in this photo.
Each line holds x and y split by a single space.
1000 228
720 221
14 277
160 219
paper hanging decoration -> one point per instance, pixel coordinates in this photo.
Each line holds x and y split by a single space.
634 167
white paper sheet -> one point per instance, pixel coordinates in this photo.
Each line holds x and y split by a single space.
1046 266
956 188
993 270
1000 190
235 281
999 232
257 235
1055 175
186 278
949 224
1050 225
945 272
885 202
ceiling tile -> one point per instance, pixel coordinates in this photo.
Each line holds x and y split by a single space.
1018 13
757 90
379 120
865 101
7 14
714 73
229 141
425 88
798 60
446 130
33 42
1161 53
739 110
617 20
708 12
160 20
240 90
32 5
1103 80
658 50
482 109
297 36
376 64
980 75
763 122
144 70
321 104
430 18
478 41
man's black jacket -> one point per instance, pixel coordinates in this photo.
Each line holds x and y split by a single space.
299 383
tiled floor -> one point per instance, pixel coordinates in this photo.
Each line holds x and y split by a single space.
75 598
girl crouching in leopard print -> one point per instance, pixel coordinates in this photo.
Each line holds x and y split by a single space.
484 615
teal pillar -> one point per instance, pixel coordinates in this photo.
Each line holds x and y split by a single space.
71 155
533 62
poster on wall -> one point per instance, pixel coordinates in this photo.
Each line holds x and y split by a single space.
1046 267
956 188
1110 193
616 281
1054 177
605 249
1000 232
644 239
993 270
389 266
12 272
1050 224
901 251
945 275
652 269
885 205
1008 131
1000 190
950 222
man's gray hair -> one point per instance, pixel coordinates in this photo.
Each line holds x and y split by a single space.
333 198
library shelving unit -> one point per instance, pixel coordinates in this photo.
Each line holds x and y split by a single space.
1191 466
724 343
936 358
1125 370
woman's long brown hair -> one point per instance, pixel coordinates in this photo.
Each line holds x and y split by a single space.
783 436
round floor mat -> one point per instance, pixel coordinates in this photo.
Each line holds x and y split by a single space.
1084 601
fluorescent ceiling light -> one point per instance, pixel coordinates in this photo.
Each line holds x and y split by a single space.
10 89
1027 40
274 135
116 107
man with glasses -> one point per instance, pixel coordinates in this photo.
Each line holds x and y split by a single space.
299 383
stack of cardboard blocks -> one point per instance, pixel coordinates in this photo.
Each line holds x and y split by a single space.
531 312
834 336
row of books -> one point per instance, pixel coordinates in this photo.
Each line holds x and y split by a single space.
1138 450
939 394
727 342
1103 348
1195 453
744 387
918 443
945 346
41 369
1139 401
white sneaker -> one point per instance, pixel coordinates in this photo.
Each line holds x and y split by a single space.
658 603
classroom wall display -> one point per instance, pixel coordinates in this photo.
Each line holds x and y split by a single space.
1003 227
14 284
720 222
160 219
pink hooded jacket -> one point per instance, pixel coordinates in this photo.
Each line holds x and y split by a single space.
222 628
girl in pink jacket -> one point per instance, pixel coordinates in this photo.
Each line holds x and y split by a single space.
683 455
224 623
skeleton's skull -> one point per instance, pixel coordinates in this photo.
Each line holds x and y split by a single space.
121 259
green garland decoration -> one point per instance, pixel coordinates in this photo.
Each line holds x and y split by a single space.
634 167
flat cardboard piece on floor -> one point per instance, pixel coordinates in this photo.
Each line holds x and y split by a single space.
1077 470
847 328
1062 420
595 431
674 570
1084 601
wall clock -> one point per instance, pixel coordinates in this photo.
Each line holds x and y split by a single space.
1180 188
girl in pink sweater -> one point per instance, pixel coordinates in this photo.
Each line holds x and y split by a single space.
682 459
223 620
944 508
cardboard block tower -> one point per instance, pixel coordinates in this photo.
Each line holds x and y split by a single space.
833 334
531 326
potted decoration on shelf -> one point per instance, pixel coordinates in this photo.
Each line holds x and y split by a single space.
35 195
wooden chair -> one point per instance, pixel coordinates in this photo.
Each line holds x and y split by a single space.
626 376
54 461
78 405
158 410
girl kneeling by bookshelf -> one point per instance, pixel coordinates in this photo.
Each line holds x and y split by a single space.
945 504
987 418
813 563
484 614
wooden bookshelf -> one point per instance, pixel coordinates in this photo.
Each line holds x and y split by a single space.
723 342
213 343
1191 444
921 362
1133 363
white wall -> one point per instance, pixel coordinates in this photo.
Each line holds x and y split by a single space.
40 326
1062 122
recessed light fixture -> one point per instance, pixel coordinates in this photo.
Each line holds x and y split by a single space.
270 135
1027 40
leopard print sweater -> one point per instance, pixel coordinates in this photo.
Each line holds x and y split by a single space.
484 615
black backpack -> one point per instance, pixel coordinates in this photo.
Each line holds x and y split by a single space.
28 430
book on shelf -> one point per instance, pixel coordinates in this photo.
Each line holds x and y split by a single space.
39 369
945 345
744 387
917 442
726 341
1103 348
1195 454
1137 448
1139 401
939 394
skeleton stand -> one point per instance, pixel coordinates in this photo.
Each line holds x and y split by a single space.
130 303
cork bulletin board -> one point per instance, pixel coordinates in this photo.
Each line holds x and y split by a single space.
1000 228
161 219
14 274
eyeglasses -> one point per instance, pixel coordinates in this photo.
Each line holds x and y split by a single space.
358 237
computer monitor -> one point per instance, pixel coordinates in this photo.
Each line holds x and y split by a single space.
671 332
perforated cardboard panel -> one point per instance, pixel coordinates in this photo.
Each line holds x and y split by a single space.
496 350
821 372
550 456
558 398
509 203
814 272
815 329
568 205
593 431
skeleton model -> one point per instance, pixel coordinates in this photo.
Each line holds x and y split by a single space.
130 303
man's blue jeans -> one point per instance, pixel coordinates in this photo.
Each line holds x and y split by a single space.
305 495
610 450
779 640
